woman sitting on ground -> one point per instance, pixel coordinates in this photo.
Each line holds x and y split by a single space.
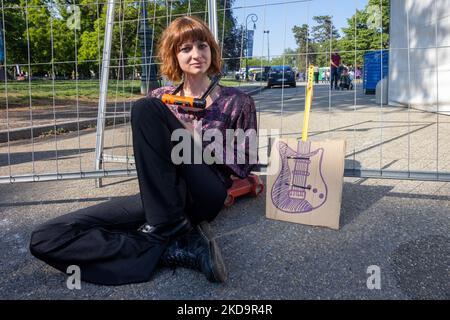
123 240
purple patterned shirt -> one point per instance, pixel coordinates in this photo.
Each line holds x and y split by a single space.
233 109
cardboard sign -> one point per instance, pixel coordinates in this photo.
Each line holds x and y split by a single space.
304 182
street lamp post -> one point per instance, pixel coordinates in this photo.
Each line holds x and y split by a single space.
268 46
254 18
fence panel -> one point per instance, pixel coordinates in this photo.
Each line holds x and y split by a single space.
51 102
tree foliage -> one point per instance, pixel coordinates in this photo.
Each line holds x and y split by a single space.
39 33
44 35
324 31
367 30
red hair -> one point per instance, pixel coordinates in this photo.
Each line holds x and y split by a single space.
187 28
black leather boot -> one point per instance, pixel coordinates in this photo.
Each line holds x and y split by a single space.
170 230
197 250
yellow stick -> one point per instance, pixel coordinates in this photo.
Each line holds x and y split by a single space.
309 95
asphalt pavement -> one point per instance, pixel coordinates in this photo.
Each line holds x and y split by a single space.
398 228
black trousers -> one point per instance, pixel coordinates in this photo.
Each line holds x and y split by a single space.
334 77
103 239
316 77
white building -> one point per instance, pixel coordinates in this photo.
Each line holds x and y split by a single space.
419 60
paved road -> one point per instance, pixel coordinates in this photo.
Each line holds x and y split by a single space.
400 226
16 123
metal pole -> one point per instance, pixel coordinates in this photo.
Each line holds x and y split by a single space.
143 36
2 53
212 18
254 18
268 46
348 172
149 79
242 51
246 52
104 89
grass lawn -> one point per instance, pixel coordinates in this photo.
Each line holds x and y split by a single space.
67 91
43 91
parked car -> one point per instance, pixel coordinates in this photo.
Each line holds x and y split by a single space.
262 74
281 75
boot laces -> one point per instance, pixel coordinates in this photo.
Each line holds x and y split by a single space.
181 259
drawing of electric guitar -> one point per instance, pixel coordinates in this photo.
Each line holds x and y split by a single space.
293 190
300 190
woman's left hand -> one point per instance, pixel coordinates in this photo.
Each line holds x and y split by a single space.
187 117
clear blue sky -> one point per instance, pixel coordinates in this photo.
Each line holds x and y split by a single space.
279 18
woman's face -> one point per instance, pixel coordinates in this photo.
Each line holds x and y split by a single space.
194 57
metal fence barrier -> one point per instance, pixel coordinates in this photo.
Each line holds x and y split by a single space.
65 107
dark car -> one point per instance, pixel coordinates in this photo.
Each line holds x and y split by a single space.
281 75
262 75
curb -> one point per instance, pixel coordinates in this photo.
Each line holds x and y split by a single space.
255 91
26 133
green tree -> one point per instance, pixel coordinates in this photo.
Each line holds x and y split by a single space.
257 62
39 35
288 58
302 37
15 32
326 38
367 30
229 33
324 31
314 45
43 26
306 46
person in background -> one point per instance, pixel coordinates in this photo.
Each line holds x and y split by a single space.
341 69
358 74
345 82
335 62
316 74
2 72
351 74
